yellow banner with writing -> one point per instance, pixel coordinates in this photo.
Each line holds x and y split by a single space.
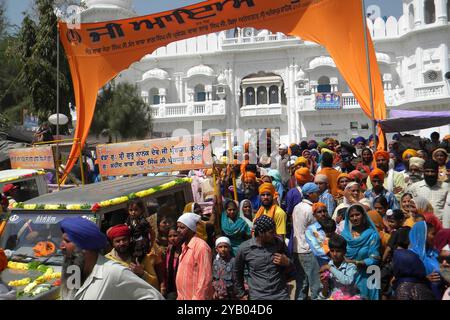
32 158
156 155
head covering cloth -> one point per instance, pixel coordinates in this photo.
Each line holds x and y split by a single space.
189 219
84 233
120 230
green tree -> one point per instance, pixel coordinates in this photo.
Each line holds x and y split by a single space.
37 47
3 20
121 112
11 93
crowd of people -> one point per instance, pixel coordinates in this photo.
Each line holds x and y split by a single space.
326 220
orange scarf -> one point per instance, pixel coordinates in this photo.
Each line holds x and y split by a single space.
270 212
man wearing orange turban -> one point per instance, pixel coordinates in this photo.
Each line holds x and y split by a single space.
317 206
393 181
249 177
377 176
294 195
269 208
409 153
377 173
303 176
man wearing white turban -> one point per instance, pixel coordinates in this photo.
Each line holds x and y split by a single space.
324 193
194 275
414 171
282 164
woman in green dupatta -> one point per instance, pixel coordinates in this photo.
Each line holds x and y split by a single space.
233 226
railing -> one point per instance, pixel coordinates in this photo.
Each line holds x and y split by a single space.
199 108
175 111
430 90
185 111
348 100
154 112
263 110
252 39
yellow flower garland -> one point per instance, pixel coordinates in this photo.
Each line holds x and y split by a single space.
111 202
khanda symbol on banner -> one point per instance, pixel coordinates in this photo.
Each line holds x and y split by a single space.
73 36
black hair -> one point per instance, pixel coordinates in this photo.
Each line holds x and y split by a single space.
251 167
174 227
328 225
337 242
421 216
228 202
397 215
381 200
430 226
403 238
406 194
341 212
304 145
140 204
431 164
168 218
295 150
435 134
367 149
327 159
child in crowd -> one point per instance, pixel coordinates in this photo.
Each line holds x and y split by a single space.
171 264
338 276
223 276
318 239
399 240
395 220
340 218
140 229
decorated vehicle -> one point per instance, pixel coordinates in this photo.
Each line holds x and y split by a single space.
30 183
32 235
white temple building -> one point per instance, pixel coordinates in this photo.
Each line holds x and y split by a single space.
248 80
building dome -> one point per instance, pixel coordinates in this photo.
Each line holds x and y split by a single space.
300 75
322 62
221 79
200 70
123 4
156 74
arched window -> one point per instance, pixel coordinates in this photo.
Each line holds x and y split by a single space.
262 95
154 96
200 94
250 96
273 95
430 12
411 16
324 84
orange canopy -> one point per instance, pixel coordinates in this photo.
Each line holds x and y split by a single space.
97 52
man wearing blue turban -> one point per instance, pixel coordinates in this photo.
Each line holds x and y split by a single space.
88 275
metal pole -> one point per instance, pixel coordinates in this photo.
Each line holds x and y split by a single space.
366 43
57 103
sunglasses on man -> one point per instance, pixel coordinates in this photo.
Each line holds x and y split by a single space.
441 259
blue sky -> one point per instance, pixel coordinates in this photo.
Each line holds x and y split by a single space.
142 7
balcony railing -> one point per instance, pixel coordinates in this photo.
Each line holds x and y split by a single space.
429 90
188 111
258 39
263 110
